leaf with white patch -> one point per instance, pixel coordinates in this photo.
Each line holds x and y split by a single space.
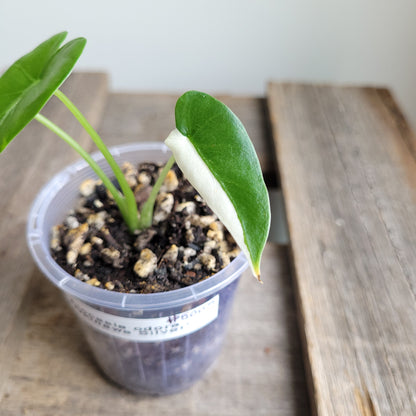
214 151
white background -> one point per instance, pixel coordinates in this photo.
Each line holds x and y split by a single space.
228 46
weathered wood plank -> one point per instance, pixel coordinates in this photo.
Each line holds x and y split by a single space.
349 182
258 373
25 166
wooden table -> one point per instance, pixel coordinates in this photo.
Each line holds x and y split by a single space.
338 303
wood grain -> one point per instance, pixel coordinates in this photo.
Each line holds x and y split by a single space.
348 175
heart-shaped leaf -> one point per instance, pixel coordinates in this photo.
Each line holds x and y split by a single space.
213 149
29 83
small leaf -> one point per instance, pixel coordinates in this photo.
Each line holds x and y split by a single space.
29 83
214 151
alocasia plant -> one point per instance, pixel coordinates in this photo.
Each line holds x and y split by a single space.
209 144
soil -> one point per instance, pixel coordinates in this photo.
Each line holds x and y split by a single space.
186 243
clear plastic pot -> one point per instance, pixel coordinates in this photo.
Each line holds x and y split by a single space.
149 343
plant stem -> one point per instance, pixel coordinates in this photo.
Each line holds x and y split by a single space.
130 200
146 214
120 200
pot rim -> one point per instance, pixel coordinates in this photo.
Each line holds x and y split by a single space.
38 243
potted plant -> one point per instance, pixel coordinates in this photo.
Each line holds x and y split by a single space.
162 342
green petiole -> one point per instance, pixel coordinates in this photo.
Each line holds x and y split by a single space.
147 208
131 217
127 192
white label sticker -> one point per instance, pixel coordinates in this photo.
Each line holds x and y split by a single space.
150 329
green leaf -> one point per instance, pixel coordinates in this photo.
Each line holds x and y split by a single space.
214 151
29 83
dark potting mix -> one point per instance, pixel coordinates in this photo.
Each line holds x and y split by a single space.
186 243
